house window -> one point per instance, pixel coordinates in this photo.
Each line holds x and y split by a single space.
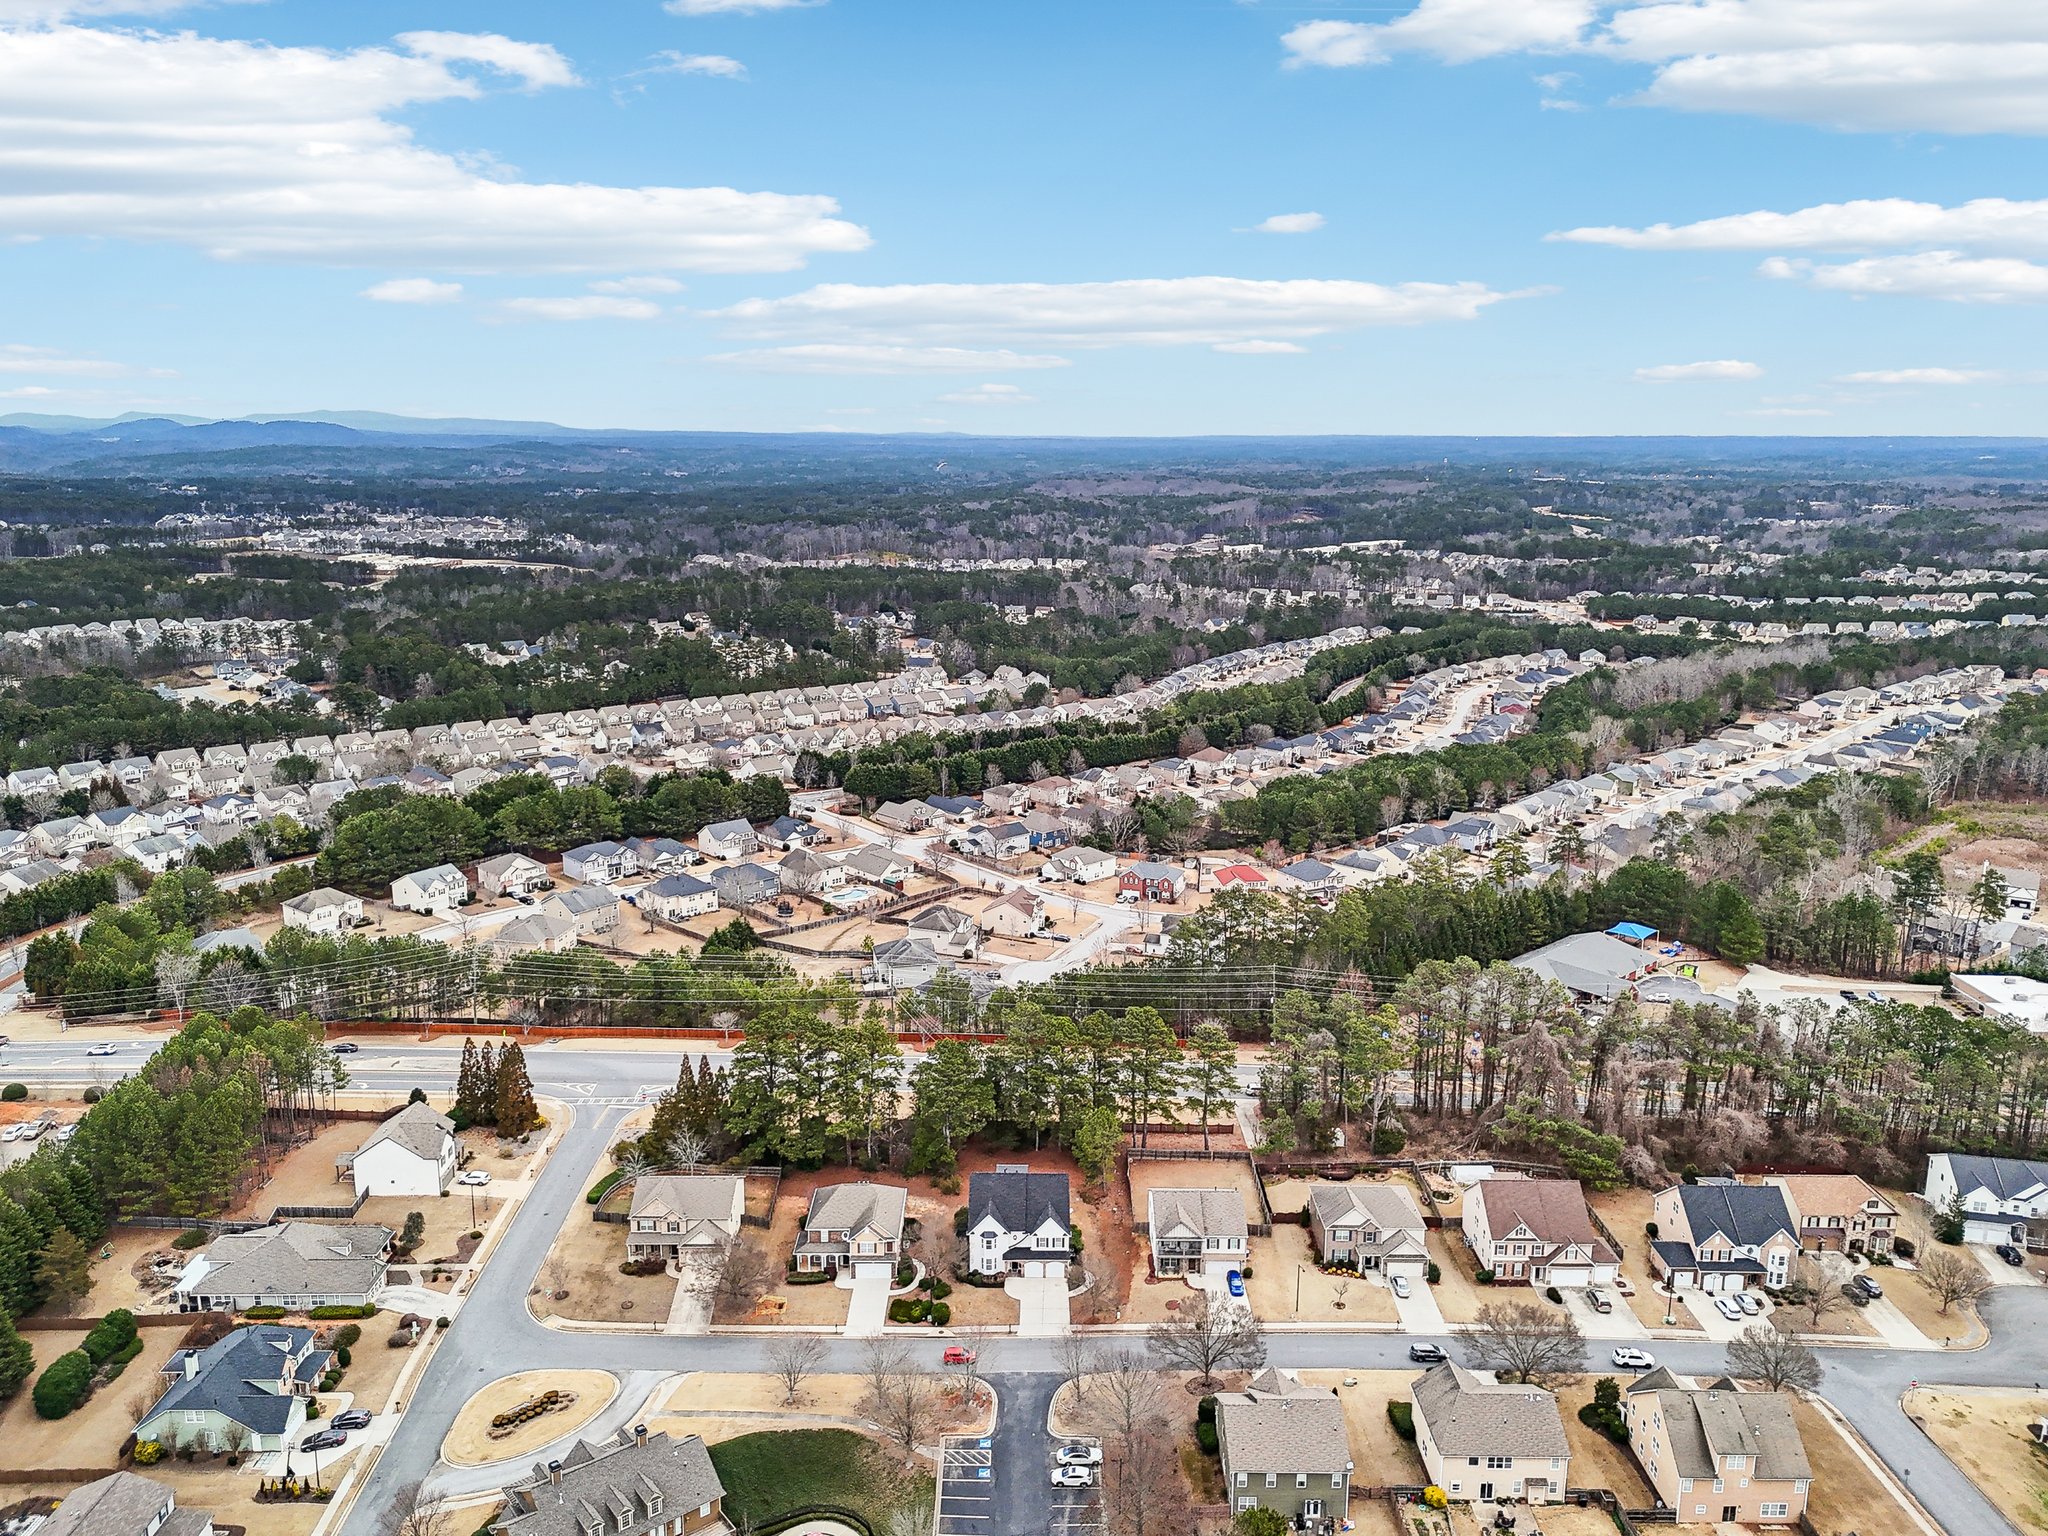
1336 1479
1499 1463
1735 1463
1272 1480
1301 1479
1241 1478
1774 1511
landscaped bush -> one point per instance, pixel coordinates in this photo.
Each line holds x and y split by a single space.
531 1409
942 1314
345 1338
1604 1412
342 1357
109 1336
440 1322
1402 1416
1205 1437
187 1241
330 1381
605 1185
1650 1230
806 1277
1484 1277
1904 1247
905 1272
147 1453
66 1384
908 1309
940 1290
1436 1272
91 1095
118 1361
643 1266
1205 1411
14 1093
328 1314
1075 1241
1554 1294
948 1185
264 1314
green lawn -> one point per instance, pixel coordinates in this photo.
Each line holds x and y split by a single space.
770 1474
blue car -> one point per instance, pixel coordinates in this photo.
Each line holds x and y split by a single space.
1236 1283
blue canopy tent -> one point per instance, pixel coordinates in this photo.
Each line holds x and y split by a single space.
1635 933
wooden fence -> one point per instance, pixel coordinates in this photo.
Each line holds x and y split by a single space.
1260 1228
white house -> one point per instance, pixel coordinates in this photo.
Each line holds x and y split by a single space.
1081 866
412 1153
1019 1222
1196 1231
600 863
728 840
1998 1194
675 897
324 911
1482 1439
439 890
511 874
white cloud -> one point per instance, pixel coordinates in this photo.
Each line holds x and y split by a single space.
534 65
1256 348
413 290
636 285
49 362
1985 223
1960 66
29 392
250 151
733 7
1718 369
1925 275
1182 311
989 394
1290 224
1944 376
587 306
850 358
671 62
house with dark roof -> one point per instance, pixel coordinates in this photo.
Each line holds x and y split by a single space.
1998 1195
852 1226
1284 1447
1839 1212
1019 1222
123 1504
1483 1439
1721 1236
634 1484
1536 1232
1717 1455
250 1388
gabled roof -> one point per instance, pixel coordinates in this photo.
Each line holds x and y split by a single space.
119 1504
1020 1202
420 1129
1204 1212
694 1199
1469 1416
228 1376
1291 1429
1387 1207
849 1207
295 1258
1748 1215
610 1485
2004 1178
1707 1424
1553 1209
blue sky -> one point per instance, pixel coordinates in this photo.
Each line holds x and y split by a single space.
1494 216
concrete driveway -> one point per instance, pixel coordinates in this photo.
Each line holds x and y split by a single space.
868 1309
1618 1322
1712 1323
1041 1306
2001 1273
1418 1310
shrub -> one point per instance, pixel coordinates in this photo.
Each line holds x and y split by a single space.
942 1314
401 1339
1205 1437
148 1453
940 1290
1389 1139
1435 1497
1903 1247
960 1222
1402 1416
109 1336
440 1322
330 1381
1075 1241
262 1314
1650 1230
118 1361
648 1266
1244 1271
1436 1272
64 1385
1554 1294
1205 1411
342 1357
1484 1277
187 1241
904 1272
949 1185
1605 1419
328 1314
14 1093
345 1338
604 1186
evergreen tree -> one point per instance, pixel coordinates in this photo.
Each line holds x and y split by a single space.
1211 1080
467 1105
17 1359
487 1084
1095 1142
64 1272
516 1112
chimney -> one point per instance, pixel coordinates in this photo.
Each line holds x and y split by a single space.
555 1473
640 1434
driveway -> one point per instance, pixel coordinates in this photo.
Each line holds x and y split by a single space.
1418 1311
2001 1273
1712 1323
1619 1322
1041 1306
868 1309
690 1312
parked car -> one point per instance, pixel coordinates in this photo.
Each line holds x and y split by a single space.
352 1418
1867 1286
324 1440
1850 997
1399 1285
12 1133
1873 995
2011 1255
1426 1354
1598 1301
1635 1359
1859 1297
344 1048
1078 1455
1749 1302
1236 1283
104 1048
958 1354
34 1129
1061 938
474 1176
4 1040
1726 1306
1072 1477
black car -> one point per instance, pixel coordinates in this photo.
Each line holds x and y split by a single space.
1426 1354
344 1048
352 1418
1867 1286
2011 1255
324 1440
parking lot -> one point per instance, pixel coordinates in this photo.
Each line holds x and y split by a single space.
967 1486
1076 1511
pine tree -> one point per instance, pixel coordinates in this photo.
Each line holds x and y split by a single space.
466 1096
17 1359
487 1084
516 1112
64 1273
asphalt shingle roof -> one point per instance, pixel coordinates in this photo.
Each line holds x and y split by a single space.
1468 1416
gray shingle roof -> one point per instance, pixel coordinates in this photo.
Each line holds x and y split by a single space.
1471 1417
1748 1215
692 1199
849 1207
1385 1209
119 1504
612 1486
296 1258
1206 1212
1711 1423
420 1129
1020 1201
1298 1430
2006 1178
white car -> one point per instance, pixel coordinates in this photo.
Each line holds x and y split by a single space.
1399 1285
1635 1359
1750 1304
104 1048
1726 1306
474 1176
1072 1477
1078 1455
12 1133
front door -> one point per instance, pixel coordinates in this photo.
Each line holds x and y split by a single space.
1728 1513
1485 1491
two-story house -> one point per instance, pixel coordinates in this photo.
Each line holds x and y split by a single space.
1019 1222
1148 880
123 1504
676 897
1536 1232
1718 1455
1368 1227
1718 1236
249 1388
1997 1195
674 1216
634 1484
852 1226
728 840
324 911
603 863
1482 1439
1284 1447
412 1153
1197 1231
437 891
512 874
1839 1212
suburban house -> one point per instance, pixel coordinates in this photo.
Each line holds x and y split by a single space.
1019 1222
675 897
1149 881
1998 1195
323 910
1537 1232
949 932
1194 1231
1482 1439
744 885
536 933
634 1484
1718 1236
439 890
412 1153
1838 1212
591 911
1016 914
604 863
852 1226
1284 1448
728 840
1082 866
675 1215
1368 1226
512 874
877 866
1591 966
250 1388
661 855
124 1504
294 1264
906 962
802 872
1718 1455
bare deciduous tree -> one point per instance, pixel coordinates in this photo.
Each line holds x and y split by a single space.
1206 1336
176 970
1954 1277
1144 1492
555 1272
902 1395
414 1511
1075 1356
1775 1358
794 1359
1813 1296
1527 1341
744 1275
1126 1396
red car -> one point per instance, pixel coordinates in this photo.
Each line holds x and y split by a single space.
959 1354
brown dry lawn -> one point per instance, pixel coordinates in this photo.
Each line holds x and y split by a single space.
1280 1261
1597 1462
1235 1173
1458 1296
374 1366
1847 1496
1626 1212
130 1279
1983 1430
1569 1520
92 1436
1382 1457
229 1495
584 1262
470 1443
801 1305
305 1176
748 1392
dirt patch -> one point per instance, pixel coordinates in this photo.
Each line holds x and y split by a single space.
1285 1284
1846 1497
1383 1458
470 1443
584 1262
1147 1174
1983 1430
1458 1296
91 1436
1626 1212
450 1218
373 1368
1597 1462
